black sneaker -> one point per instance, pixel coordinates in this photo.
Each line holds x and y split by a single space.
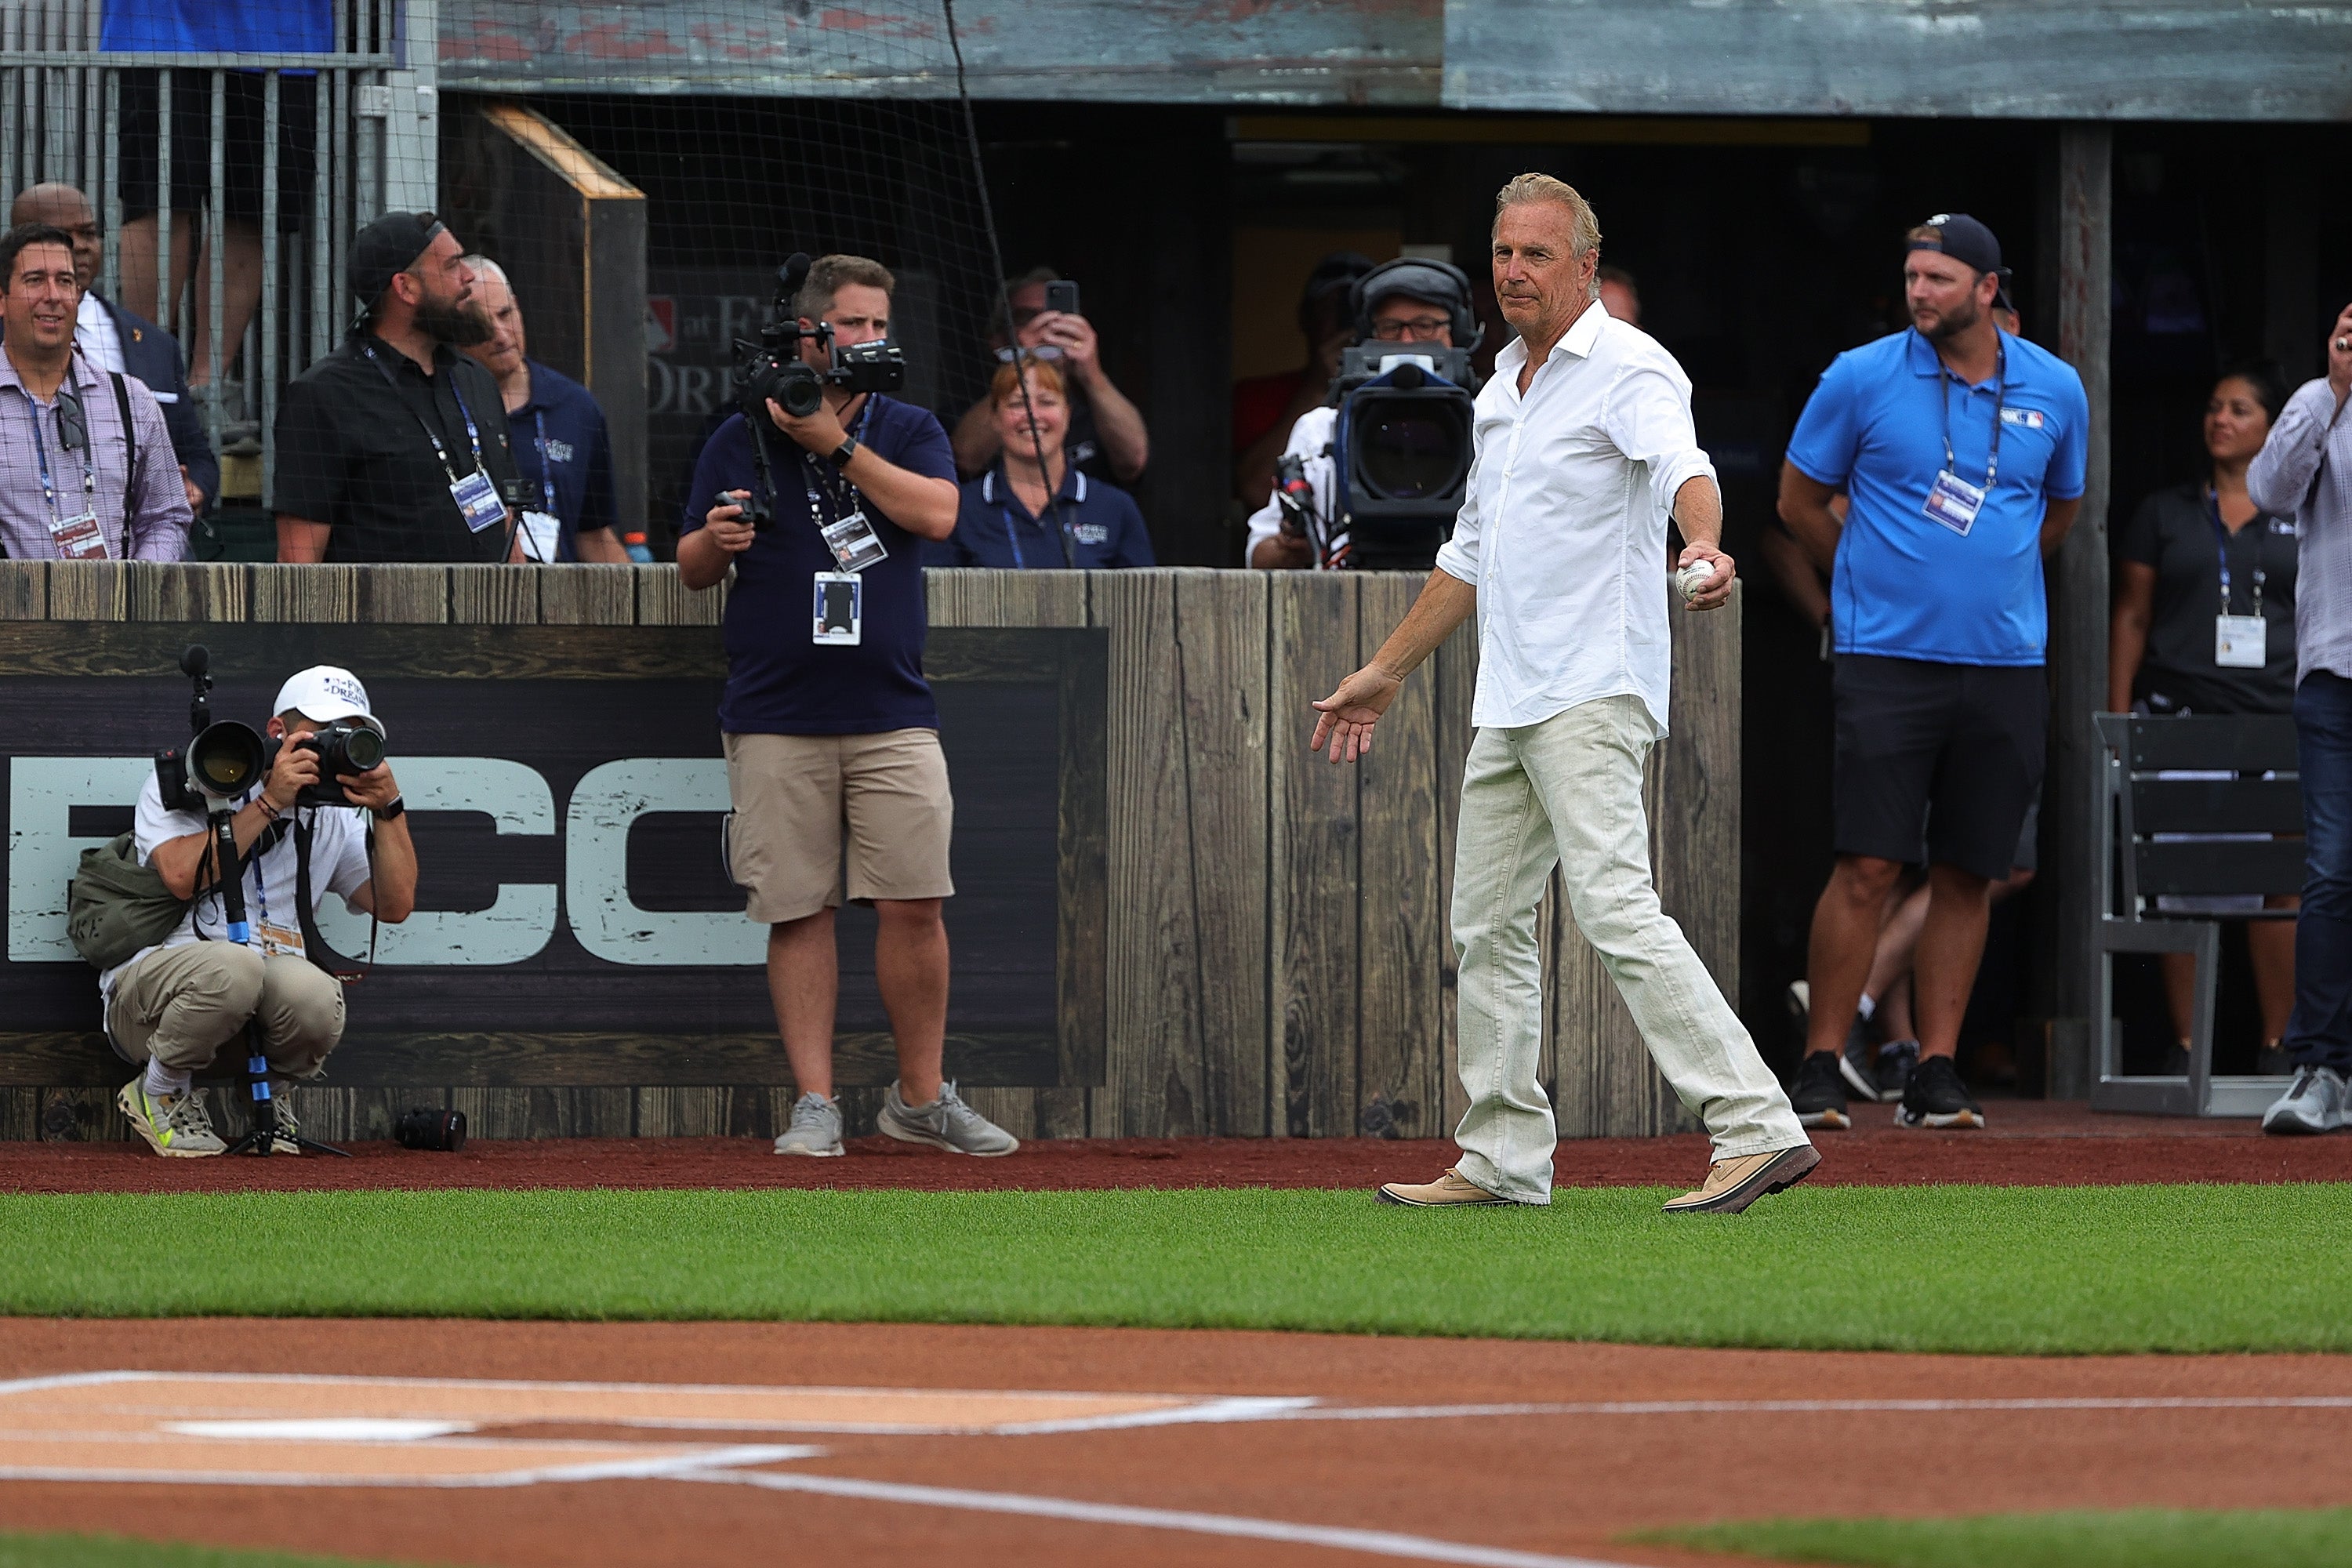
1854 1062
1896 1061
1936 1097
1819 1094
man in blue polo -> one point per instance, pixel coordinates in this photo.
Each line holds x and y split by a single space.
1960 449
561 446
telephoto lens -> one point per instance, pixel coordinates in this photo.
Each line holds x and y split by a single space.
431 1126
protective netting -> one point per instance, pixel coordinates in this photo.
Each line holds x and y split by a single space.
639 172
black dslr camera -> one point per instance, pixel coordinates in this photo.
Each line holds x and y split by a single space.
773 367
226 758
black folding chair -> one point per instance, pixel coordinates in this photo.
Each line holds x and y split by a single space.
2135 804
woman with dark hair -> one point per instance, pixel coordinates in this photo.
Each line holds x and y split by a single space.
2193 553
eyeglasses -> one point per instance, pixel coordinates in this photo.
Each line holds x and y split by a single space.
1418 327
1043 350
73 428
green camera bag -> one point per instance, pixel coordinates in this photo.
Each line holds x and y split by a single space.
115 906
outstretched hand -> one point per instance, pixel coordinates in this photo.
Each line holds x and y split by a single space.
1345 719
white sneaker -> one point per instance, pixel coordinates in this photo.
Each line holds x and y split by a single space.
2314 1102
815 1128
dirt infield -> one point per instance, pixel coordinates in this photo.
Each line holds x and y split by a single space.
2029 1144
1140 1455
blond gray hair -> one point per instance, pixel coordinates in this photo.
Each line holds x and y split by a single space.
1584 227
476 262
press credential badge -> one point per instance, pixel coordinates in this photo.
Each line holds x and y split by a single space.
478 501
1953 503
840 609
2241 642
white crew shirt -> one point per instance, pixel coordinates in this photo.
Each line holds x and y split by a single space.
1563 528
95 335
1310 443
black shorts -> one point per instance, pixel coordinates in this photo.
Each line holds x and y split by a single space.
192 148
1949 752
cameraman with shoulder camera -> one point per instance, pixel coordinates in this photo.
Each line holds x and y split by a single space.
831 734
174 1005
1408 301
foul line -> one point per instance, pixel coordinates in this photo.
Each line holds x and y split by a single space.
686 1467
1375 1542
1795 1406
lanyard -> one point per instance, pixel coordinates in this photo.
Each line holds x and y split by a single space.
2221 549
812 477
473 437
1992 459
88 464
1004 510
539 439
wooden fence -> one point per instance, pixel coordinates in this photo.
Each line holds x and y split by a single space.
1277 960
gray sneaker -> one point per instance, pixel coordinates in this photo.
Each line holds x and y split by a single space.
946 1124
815 1128
2314 1102
175 1125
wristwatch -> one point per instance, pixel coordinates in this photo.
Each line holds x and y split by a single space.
843 452
390 809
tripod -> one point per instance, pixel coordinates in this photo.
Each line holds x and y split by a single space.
262 1141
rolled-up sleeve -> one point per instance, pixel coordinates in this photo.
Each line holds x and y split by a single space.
1648 417
2279 477
159 515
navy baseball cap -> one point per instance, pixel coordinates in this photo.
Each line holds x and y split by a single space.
1962 238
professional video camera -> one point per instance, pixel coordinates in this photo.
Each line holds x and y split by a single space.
226 758
773 367
1400 451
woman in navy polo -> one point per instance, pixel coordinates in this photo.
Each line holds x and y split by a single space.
1006 518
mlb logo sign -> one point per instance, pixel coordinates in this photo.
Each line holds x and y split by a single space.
661 323
2029 418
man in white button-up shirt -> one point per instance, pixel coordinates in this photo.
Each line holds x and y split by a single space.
1584 447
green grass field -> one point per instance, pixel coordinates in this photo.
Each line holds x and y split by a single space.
2133 1538
119 1552
2051 1270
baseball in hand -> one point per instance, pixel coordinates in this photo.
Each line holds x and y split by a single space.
1693 577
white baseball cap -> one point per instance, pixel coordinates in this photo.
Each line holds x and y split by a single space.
325 693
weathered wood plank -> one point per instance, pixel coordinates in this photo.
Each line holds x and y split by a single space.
495 595
1401 1051
20 1115
89 590
190 590
24 590
589 595
1693 801
664 601
1312 857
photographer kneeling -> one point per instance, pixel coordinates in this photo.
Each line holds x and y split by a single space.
831 734
173 1006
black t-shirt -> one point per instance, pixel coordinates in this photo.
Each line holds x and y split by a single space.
2174 531
780 681
353 453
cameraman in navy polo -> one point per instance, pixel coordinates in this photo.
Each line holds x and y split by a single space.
831 734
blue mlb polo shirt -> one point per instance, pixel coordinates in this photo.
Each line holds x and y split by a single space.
564 455
1906 585
993 529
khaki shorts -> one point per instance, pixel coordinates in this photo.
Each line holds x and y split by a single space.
816 815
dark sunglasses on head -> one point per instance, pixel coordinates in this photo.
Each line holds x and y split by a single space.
73 428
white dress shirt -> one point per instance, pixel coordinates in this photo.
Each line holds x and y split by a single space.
95 335
1563 530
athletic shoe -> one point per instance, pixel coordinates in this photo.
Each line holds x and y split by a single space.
1732 1184
288 1125
1854 1063
175 1125
946 1124
1897 1059
1449 1191
1818 1093
815 1128
2314 1102
1936 1097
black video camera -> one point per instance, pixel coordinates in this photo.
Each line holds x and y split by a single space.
225 759
1402 447
773 367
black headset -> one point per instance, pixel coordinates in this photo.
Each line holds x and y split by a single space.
1454 293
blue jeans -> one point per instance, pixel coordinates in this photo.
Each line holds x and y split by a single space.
2320 1032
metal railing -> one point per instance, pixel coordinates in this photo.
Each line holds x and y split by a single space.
373 124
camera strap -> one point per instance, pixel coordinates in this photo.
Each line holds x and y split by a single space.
314 946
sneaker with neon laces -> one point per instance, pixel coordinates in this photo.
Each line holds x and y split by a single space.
176 1126
946 1124
815 1129
1936 1097
1819 1094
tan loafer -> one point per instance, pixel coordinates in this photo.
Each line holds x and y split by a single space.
1733 1184
1449 1188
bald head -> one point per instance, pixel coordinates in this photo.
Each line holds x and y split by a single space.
64 207
503 350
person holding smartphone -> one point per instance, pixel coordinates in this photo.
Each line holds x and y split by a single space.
1105 437
830 731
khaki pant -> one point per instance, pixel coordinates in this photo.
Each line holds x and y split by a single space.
182 1005
1568 792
